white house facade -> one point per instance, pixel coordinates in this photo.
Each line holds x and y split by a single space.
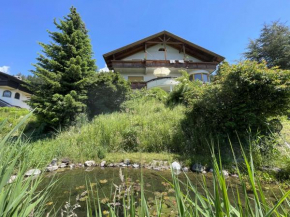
13 92
156 61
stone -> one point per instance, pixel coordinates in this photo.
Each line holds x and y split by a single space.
103 163
72 166
175 166
110 165
65 161
12 178
90 163
234 175
185 169
53 162
135 165
32 172
197 168
127 161
51 168
225 173
210 170
122 165
272 169
63 165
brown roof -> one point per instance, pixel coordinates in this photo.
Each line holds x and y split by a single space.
171 39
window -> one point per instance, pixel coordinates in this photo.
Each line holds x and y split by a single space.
7 93
199 76
17 96
135 78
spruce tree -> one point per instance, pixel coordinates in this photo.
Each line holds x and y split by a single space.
273 46
64 71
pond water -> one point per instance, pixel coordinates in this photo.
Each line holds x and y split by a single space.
72 183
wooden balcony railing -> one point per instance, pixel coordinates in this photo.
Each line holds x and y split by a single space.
162 63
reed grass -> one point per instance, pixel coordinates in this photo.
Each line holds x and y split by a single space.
191 202
19 197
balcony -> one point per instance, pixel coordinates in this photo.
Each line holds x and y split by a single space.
165 83
163 63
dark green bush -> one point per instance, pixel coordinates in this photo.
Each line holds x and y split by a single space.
243 96
107 92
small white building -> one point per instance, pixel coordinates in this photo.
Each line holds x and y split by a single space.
13 92
155 61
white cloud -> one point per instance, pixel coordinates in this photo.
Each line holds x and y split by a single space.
105 69
5 69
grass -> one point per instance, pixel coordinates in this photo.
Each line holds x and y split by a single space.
19 197
143 126
10 117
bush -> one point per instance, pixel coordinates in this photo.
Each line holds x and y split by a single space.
186 92
243 96
107 92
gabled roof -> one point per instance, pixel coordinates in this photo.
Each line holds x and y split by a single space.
11 81
170 39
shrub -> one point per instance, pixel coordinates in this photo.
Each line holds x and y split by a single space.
107 92
242 97
186 92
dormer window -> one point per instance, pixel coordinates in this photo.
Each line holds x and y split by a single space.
17 96
161 49
7 93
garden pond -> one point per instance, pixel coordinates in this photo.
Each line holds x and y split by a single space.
72 186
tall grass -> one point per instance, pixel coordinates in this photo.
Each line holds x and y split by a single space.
143 125
19 197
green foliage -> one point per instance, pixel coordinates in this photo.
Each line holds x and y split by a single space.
21 196
63 73
217 198
158 93
106 93
144 124
273 46
244 96
11 116
186 92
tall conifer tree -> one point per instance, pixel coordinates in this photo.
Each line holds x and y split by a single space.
64 72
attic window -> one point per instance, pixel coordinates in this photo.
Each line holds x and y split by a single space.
161 49
17 96
7 93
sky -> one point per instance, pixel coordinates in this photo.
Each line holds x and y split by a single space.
222 26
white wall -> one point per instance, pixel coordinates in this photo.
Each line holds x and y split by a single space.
16 102
154 54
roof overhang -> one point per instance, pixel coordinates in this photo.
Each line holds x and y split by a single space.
12 82
162 37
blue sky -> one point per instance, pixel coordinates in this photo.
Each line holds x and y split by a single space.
222 26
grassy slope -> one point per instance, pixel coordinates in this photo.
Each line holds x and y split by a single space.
147 126
10 117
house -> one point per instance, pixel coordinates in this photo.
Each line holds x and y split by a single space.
12 92
156 61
